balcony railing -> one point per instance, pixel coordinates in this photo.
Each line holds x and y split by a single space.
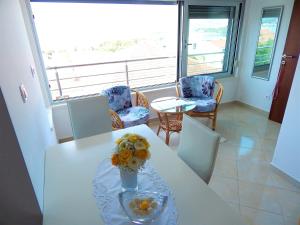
88 79
205 63
84 79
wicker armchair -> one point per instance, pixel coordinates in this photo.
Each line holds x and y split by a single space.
141 99
122 113
116 121
211 114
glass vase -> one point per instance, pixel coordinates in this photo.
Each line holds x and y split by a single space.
128 180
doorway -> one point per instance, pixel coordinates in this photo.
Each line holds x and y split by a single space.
287 68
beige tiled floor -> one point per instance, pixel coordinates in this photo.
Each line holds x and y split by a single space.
243 176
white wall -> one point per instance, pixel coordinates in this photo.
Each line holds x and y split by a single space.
287 152
252 91
35 49
30 119
62 121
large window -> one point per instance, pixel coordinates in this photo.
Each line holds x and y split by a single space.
211 39
89 47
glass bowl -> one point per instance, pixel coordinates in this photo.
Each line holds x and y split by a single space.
138 216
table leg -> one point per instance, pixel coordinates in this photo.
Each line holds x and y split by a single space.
160 122
167 128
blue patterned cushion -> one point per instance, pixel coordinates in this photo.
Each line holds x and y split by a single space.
134 116
119 97
203 105
197 86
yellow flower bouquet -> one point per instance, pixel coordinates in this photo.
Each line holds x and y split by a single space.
131 152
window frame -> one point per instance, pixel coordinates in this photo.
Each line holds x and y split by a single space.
255 72
45 83
181 48
234 37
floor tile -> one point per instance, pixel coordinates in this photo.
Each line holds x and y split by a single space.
227 150
260 217
259 197
234 206
225 167
256 171
226 188
268 155
290 202
246 141
291 221
270 130
280 181
268 145
243 176
250 154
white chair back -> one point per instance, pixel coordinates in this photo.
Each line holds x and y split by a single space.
89 116
198 147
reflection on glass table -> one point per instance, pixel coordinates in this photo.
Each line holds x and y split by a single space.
170 111
172 105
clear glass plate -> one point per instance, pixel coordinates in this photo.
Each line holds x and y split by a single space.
127 197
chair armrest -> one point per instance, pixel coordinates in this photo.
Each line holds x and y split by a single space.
220 92
141 99
115 119
177 89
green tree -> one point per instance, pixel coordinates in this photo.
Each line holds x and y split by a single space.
263 52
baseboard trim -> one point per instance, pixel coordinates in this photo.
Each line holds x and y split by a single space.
285 175
225 104
265 113
63 140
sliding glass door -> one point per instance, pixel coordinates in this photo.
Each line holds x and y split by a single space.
88 47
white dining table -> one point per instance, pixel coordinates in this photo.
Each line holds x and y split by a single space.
71 167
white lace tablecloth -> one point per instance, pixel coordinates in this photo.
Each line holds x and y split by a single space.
107 186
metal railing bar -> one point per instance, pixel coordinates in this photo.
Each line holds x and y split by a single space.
258 55
58 82
144 78
75 97
95 94
124 61
209 70
111 82
137 65
154 68
110 62
126 74
154 85
204 63
261 47
262 63
102 74
211 53
261 56
92 75
89 85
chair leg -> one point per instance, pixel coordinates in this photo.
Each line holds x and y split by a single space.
167 137
158 130
214 121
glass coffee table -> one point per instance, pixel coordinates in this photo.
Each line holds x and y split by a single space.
170 111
